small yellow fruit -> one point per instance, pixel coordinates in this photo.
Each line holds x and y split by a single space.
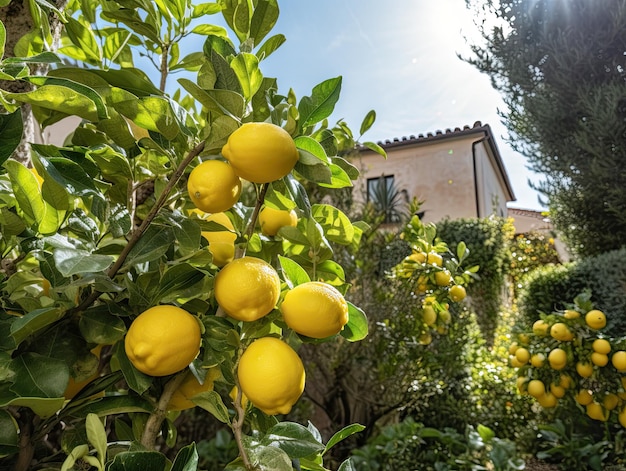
271 375
584 369
445 316
513 348
429 316
547 401
560 331
315 309
619 360
537 360
261 152
213 186
425 338
571 314
522 385
163 340
557 391
584 397
271 220
522 355
599 359
433 258
565 381
557 359
443 278
597 412
221 243
540 328
610 401
595 319
418 257
601 346
247 288
536 388
190 387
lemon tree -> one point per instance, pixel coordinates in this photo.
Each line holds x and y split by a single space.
137 281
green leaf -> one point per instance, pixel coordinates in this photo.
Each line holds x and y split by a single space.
132 19
336 224
246 67
269 46
97 436
83 37
137 461
175 279
212 402
293 273
11 128
74 261
208 29
33 322
205 9
224 102
39 376
98 325
321 103
312 168
135 379
152 245
270 458
343 434
312 147
3 35
8 434
368 121
357 327
263 19
376 148
331 272
26 191
108 405
347 465
294 439
151 113
186 459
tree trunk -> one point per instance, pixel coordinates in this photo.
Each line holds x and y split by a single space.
18 22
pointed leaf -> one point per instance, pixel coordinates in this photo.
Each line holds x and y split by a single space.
321 103
84 38
11 128
368 121
186 459
8 433
263 19
246 67
295 439
343 434
270 46
357 327
293 273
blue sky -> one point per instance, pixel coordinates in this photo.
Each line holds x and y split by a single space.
400 59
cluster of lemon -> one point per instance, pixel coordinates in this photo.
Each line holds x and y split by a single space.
164 340
437 285
564 354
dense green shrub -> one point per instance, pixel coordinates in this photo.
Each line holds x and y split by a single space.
529 251
487 240
554 287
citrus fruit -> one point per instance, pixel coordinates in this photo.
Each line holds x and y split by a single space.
442 278
457 293
221 243
547 400
433 258
557 358
557 391
571 314
565 381
622 417
601 346
271 220
540 328
271 375
522 355
75 385
595 319
418 257
247 288
513 348
597 412
315 309
560 331
584 397
163 340
445 316
213 186
599 359
537 360
190 387
619 360
425 338
522 386
422 284
610 401
261 152
584 369
536 388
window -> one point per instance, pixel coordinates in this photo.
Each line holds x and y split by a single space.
386 199
374 187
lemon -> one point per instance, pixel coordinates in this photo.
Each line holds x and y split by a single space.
271 220
560 331
601 346
537 360
443 278
213 186
595 319
261 152
315 309
457 293
571 314
610 401
163 340
599 359
271 375
547 400
622 417
433 258
540 328
584 397
557 391
221 243
619 360
522 386
597 412
418 257
557 358
247 288
522 355
536 388
190 387
584 369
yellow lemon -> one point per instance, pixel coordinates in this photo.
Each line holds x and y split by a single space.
537 360
547 401
565 381
457 293
557 391
271 220
213 186
540 328
571 314
557 359
584 369
247 288
522 355
163 340
597 412
599 359
443 278
522 385
418 257
584 397
221 243
619 360
595 319
536 388
601 346
433 258
622 417
190 387
271 375
560 331
315 309
610 401
261 152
